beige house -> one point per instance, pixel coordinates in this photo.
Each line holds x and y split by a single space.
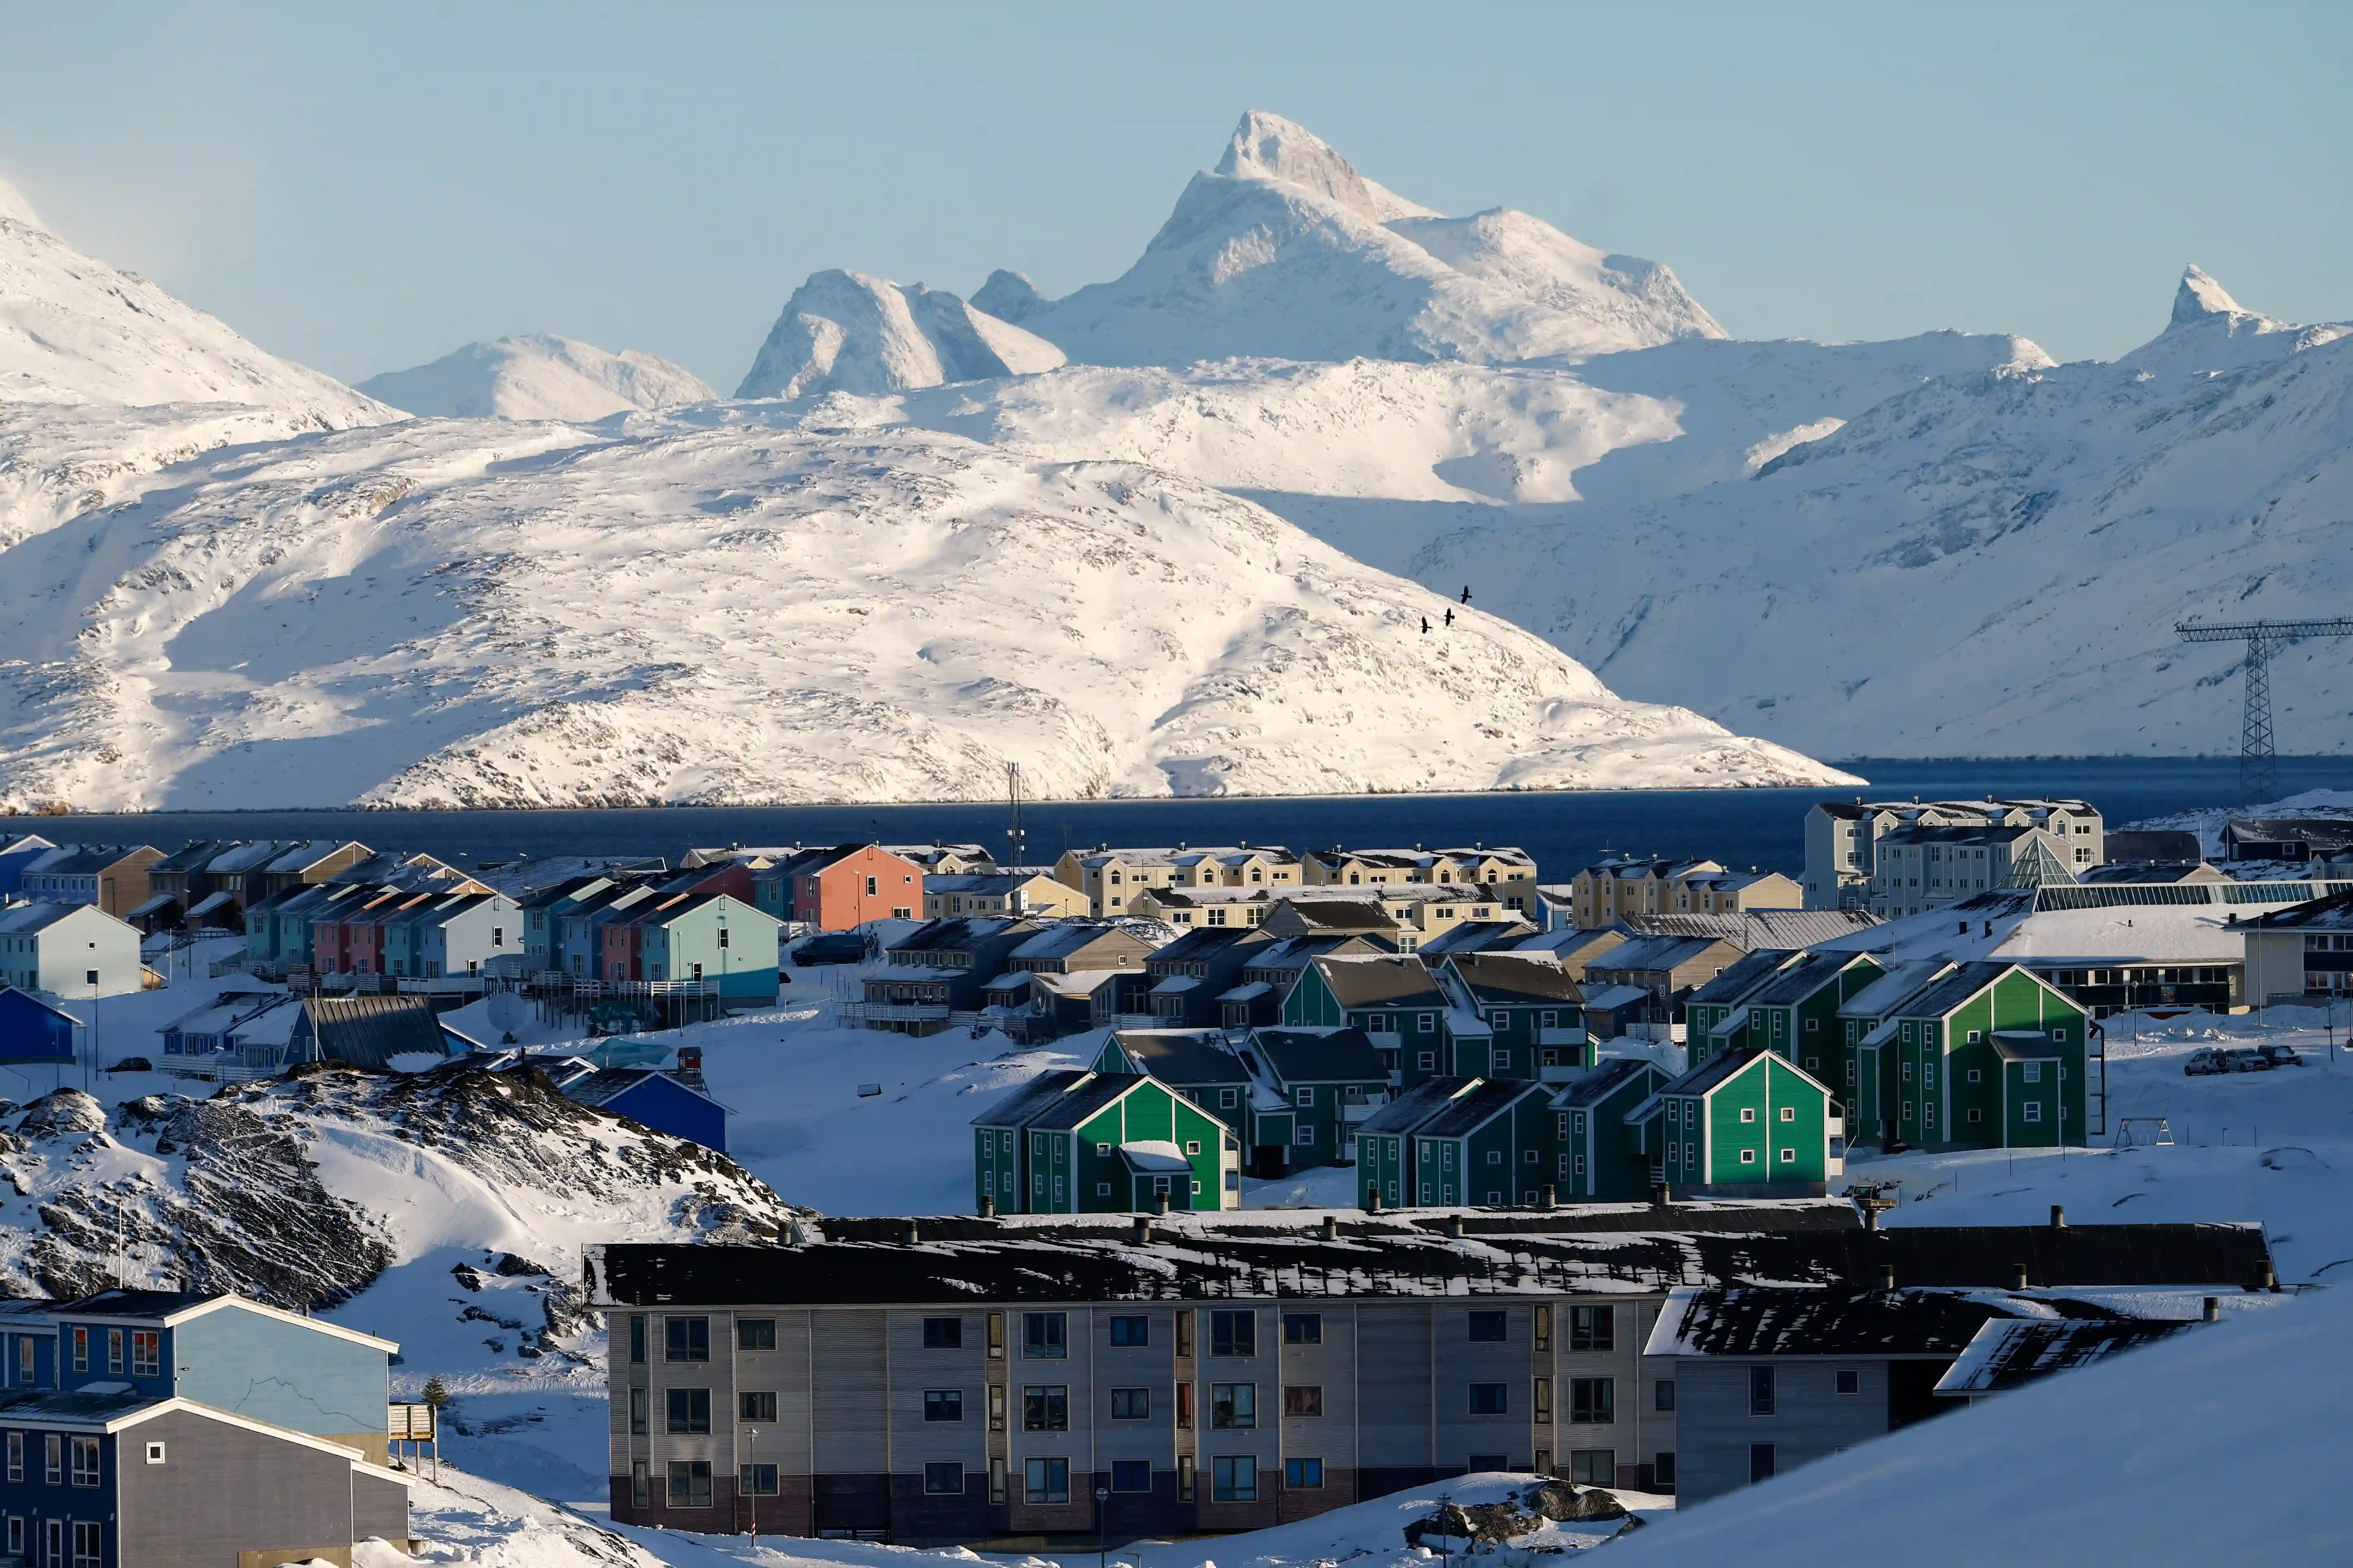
1610 890
1023 891
1112 878
1731 892
1509 875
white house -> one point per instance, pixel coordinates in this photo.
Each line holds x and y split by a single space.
68 950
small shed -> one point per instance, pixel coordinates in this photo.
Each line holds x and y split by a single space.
31 1030
365 1031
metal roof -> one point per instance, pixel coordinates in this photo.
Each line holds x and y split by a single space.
1185 1057
1608 1079
1320 1055
1514 977
1382 980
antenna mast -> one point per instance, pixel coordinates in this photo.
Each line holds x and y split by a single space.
1016 840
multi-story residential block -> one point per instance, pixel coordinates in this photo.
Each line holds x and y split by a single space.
1294 1097
713 937
952 1379
1602 1158
839 888
942 967
18 850
1393 1000
2304 949
1843 837
1083 1142
1112 878
1616 886
1922 869
1502 875
1785 1002
1533 1014
1197 981
1455 1141
1976 1054
69 950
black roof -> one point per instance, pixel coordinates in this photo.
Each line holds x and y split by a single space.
1514 977
1205 941
1963 982
74 1406
1322 1056
369 1031
2028 1351
133 1303
1466 1113
1793 983
1742 976
1406 1111
1715 1069
1606 1079
1627 1249
961 934
1186 1057
2332 912
1752 1322
1016 1108
1079 1100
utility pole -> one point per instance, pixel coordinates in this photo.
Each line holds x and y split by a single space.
2258 759
1016 840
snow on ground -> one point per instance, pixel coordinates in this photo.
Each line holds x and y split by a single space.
461 613
2219 1445
537 376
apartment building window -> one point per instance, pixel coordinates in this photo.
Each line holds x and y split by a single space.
1490 1328
1760 1462
690 1483
756 1481
1592 1328
16 1456
1184 1334
1185 1406
1302 1400
1045 1333
941 1478
689 1411
1592 1400
1850 1382
997 1407
1234 1478
1543 1404
1593 1466
759 1333
1491 1398
638 1401
1663 1395
1303 1474
1233 1407
1130 1405
1046 1480
686 1339
641 1484
1302 1328
1762 1391
1046 1408
53 1458
114 1341
80 1350
146 1352
1233 1334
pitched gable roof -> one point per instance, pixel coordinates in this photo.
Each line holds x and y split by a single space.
1504 977
1320 1055
1399 980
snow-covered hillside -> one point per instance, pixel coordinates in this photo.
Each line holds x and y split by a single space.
75 330
844 332
537 376
699 607
1285 251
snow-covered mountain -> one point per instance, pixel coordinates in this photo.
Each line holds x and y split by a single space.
75 330
537 376
844 332
701 606
1990 562
1285 251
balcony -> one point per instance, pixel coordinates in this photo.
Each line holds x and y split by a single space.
894 1012
1562 1037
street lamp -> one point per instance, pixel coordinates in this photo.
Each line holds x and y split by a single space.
1103 1509
751 1436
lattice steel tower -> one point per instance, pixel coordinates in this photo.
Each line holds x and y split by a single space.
2258 759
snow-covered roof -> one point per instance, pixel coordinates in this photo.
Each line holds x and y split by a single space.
1153 1156
1077 983
2165 934
1610 998
2010 1352
1248 993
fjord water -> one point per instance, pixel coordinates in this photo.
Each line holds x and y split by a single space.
1739 828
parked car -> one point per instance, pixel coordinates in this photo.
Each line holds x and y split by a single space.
2250 1061
2203 1063
832 947
2280 1055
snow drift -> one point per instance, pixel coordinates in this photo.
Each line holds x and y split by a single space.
537 376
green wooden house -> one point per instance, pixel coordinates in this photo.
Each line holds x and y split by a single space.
1327 1082
1791 1010
1745 1122
1079 1141
1983 1054
1195 1063
1601 1159
1533 1011
1393 999
1460 1141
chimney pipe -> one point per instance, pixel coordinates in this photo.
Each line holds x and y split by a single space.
1142 1230
988 1206
1887 1277
2058 1216
1454 1226
1373 1199
1547 1198
2213 1309
2018 1275
1659 1197
1331 1228
1160 1203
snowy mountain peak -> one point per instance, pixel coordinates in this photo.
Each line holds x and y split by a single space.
845 332
1008 296
1269 147
15 208
537 376
2199 296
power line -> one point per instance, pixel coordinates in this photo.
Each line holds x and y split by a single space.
2258 754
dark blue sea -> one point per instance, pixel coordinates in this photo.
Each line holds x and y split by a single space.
1740 829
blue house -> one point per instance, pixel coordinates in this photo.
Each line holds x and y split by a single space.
647 1096
33 1031
163 1427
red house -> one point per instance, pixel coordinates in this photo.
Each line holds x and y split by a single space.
849 884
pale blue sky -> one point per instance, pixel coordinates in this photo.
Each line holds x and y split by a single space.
364 189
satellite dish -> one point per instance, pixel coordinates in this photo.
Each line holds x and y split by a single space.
508 1011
